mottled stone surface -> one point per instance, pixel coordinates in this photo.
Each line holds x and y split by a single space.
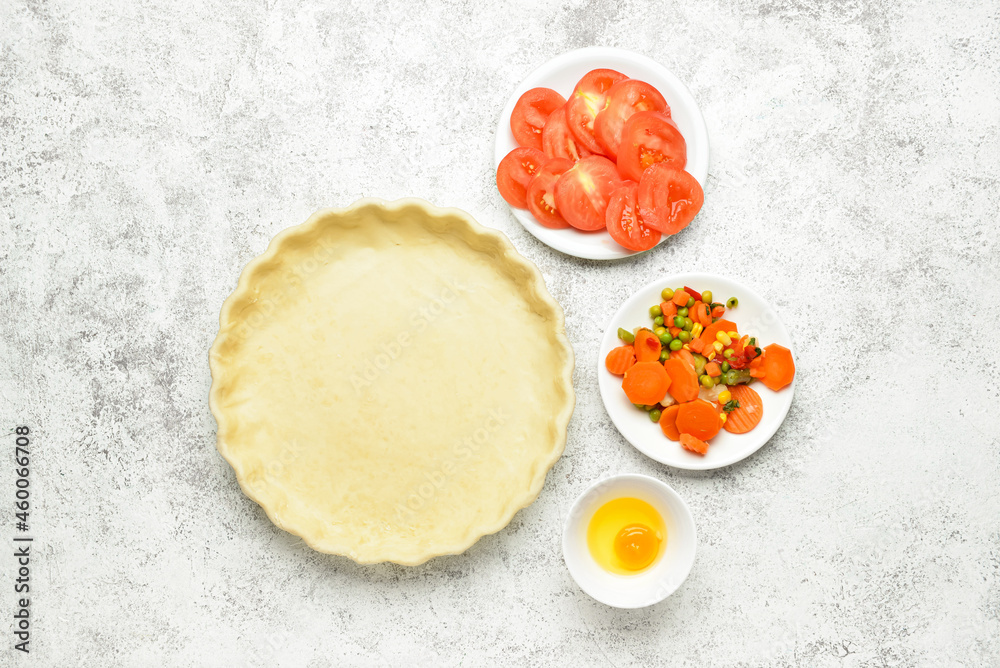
149 150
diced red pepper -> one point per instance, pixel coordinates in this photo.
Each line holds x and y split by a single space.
694 293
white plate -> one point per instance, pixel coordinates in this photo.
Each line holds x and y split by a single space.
753 316
561 74
646 588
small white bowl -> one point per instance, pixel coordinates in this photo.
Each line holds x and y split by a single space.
561 74
648 587
753 316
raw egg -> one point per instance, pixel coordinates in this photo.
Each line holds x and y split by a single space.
626 536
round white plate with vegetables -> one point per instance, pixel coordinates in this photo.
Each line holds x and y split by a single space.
696 371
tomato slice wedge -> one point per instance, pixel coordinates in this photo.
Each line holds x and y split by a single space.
649 137
530 112
624 99
582 193
515 172
669 198
558 141
585 103
624 221
541 193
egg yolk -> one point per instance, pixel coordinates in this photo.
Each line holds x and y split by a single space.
636 546
626 536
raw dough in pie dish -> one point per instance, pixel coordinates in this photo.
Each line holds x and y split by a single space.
391 381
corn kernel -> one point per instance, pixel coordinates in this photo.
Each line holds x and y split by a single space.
723 417
723 338
725 396
711 354
697 329
718 346
686 347
733 335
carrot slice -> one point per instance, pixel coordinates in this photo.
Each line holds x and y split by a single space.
708 336
778 367
718 311
668 422
694 444
748 415
700 314
713 369
683 379
646 383
681 298
684 355
647 347
620 360
669 310
697 345
699 418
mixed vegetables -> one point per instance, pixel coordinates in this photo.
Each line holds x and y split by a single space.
610 158
692 370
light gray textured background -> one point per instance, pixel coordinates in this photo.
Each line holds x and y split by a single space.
148 150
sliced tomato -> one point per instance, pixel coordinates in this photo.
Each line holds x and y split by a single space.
649 137
624 99
530 113
515 172
582 193
558 141
586 101
669 198
541 196
598 82
624 221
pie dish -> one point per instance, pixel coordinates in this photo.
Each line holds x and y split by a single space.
391 381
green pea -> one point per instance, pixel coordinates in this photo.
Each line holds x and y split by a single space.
659 331
683 312
725 367
654 415
626 336
647 408
690 302
658 321
664 355
688 324
667 294
665 337
684 336
728 353
640 406
655 311
679 321
706 296
707 382
732 302
677 344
